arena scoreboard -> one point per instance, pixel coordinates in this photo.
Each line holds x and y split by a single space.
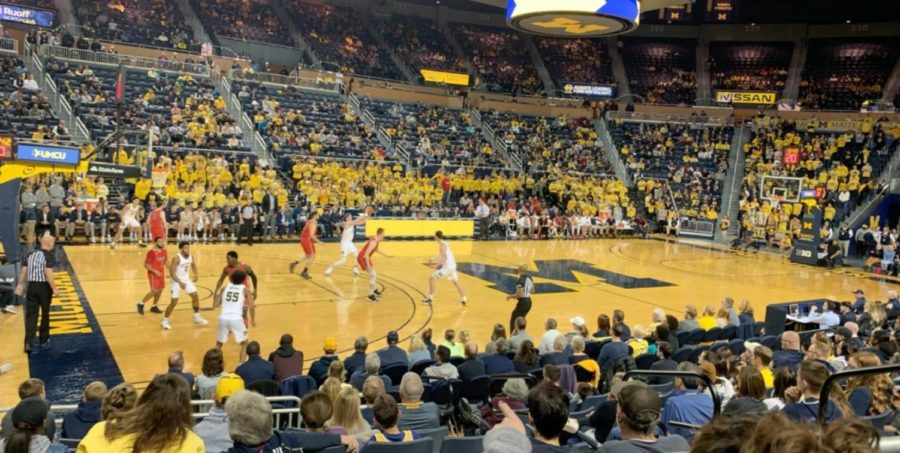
6 147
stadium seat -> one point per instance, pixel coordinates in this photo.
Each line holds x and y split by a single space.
712 335
457 361
476 391
880 420
696 337
473 444
683 337
496 381
645 361
394 372
424 445
298 386
736 346
695 353
265 388
758 328
592 348
664 388
437 435
538 374
728 333
683 354
769 341
419 367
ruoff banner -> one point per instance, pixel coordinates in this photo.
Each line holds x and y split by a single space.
113 170
746 97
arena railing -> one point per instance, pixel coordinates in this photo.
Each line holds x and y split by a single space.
107 58
667 118
286 80
285 410
9 45
696 227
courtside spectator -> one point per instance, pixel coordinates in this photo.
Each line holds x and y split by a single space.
255 368
393 354
371 369
548 412
287 361
665 363
689 322
418 352
613 351
77 424
176 365
498 362
549 336
213 429
347 414
212 370
750 391
557 356
250 427
319 369
775 432
442 367
637 415
28 389
414 413
514 394
519 334
790 354
161 422
473 366
118 400
687 404
802 401
387 417
357 361
29 418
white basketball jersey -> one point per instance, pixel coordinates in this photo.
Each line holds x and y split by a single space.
233 302
450 262
347 234
182 270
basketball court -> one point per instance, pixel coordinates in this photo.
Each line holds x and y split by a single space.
97 334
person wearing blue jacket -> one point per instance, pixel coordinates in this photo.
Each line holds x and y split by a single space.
250 426
77 424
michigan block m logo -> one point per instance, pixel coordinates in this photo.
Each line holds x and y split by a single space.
504 279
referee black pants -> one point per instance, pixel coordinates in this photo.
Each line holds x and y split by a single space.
37 298
246 230
523 306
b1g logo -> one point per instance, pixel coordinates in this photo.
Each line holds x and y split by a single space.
504 278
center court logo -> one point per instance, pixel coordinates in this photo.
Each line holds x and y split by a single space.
563 271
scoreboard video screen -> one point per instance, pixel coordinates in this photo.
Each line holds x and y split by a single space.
6 147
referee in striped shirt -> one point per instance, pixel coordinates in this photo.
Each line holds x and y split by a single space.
524 288
37 274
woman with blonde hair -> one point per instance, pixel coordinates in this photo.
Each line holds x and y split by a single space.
745 312
331 387
417 350
871 394
337 371
160 423
873 317
347 413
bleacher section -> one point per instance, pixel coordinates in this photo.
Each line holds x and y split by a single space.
661 72
183 110
749 66
238 19
420 44
576 60
147 22
500 58
24 112
340 38
306 122
842 73
438 135
546 143
692 159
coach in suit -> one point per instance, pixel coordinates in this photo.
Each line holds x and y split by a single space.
269 208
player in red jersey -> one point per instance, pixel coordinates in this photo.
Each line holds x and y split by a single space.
157 221
364 259
308 241
155 263
233 265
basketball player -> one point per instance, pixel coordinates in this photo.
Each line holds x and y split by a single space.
130 221
308 241
364 260
233 265
159 228
183 270
347 247
233 299
446 268
155 263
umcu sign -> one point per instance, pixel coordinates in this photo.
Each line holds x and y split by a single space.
45 154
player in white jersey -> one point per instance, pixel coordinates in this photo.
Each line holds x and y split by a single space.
234 299
130 221
183 270
445 263
347 247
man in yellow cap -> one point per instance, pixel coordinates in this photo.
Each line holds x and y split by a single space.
319 368
214 427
